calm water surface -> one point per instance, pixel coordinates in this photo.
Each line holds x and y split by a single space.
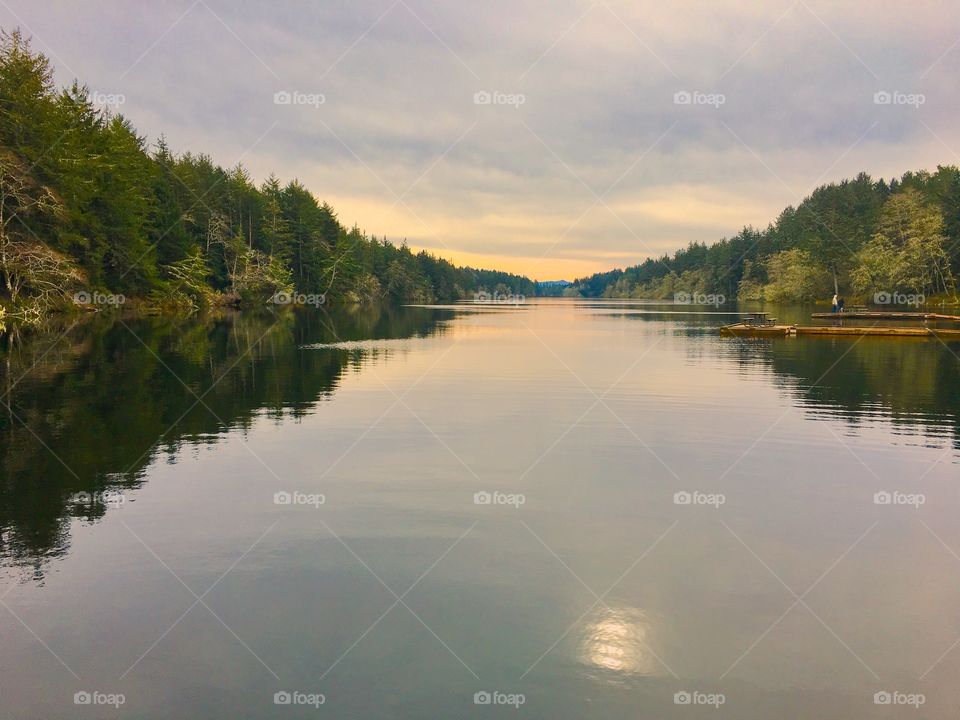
503 511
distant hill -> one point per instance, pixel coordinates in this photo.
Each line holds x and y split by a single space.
555 288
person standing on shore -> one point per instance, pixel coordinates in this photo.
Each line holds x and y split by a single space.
840 303
836 300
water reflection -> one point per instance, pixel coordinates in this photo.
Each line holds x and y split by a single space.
913 386
620 642
103 399
88 407
910 385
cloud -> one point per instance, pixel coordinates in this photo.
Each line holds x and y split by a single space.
504 183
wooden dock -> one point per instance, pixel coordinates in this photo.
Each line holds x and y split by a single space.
883 315
746 330
751 330
879 331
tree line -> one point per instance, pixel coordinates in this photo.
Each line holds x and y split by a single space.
863 238
87 205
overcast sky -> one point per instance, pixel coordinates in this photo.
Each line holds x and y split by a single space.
581 157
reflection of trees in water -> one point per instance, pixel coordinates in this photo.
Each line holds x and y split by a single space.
914 384
88 406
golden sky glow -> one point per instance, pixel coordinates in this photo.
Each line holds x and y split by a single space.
598 167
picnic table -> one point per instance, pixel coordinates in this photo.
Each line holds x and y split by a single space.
758 319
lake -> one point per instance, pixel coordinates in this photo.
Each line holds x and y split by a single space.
560 509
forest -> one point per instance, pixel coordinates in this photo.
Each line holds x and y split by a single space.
91 213
867 239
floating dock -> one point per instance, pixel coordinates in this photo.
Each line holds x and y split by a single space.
880 331
749 330
744 330
880 315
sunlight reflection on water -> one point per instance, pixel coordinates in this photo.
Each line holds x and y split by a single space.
620 641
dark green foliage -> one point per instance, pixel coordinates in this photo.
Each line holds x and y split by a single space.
134 217
831 228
